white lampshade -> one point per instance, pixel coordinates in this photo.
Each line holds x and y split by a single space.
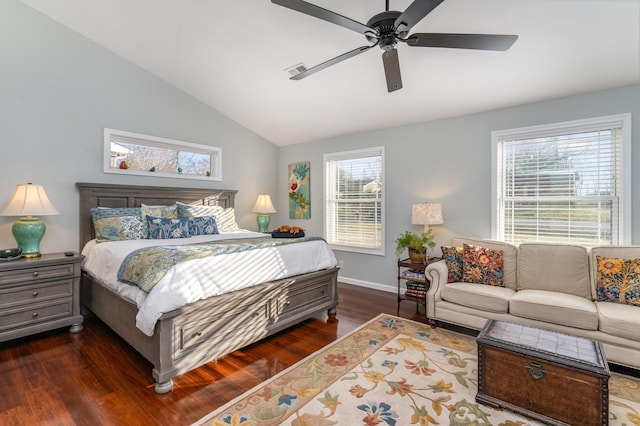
29 200
426 214
264 205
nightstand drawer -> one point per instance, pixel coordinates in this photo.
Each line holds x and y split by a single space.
32 314
22 274
35 293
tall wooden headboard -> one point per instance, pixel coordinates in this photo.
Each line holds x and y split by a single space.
114 196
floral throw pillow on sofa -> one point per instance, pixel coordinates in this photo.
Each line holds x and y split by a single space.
482 265
618 280
453 258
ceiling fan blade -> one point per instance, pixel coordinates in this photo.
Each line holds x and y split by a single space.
463 41
327 15
330 62
392 69
414 14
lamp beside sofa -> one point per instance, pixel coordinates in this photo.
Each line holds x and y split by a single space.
550 286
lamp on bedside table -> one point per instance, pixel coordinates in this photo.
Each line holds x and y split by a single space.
264 207
426 214
29 200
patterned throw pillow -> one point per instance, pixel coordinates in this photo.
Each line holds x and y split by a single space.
159 211
203 225
187 210
118 224
618 280
167 228
225 218
453 258
482 265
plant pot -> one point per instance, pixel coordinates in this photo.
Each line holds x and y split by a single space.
418 255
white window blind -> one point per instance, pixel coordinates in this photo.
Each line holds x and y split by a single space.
354 200
564 182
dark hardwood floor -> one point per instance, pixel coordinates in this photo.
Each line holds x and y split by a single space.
95 378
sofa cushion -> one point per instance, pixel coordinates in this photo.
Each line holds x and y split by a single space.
555 267
509 253
453 259
483 297
482 265
555 307
619 320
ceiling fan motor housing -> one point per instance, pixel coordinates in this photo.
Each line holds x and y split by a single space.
384 24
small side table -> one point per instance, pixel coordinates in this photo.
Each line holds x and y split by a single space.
416 282
40 294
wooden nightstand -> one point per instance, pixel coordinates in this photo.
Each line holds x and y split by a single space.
40 294
416 282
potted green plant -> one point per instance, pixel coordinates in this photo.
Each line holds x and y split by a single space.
415 243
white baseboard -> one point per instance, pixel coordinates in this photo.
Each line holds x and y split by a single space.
368 284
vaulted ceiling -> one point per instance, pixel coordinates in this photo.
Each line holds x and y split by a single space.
233 56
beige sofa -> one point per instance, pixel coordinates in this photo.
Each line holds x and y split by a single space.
550 286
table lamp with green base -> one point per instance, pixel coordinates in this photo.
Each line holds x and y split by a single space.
29 201
264 207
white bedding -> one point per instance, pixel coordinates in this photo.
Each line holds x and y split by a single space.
198 279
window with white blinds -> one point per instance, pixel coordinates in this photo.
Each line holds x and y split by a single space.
354 200
566 182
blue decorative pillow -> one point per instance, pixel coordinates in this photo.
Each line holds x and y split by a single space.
202 225
167 228
118 224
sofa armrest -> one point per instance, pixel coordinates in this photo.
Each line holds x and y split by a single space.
437 273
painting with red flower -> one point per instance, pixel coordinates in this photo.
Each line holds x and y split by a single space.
299 191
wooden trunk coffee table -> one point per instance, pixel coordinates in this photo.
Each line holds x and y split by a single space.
545 375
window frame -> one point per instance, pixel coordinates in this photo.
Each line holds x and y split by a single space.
215 154
563 128
354 154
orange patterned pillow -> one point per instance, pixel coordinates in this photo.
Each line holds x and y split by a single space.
482 265
618 280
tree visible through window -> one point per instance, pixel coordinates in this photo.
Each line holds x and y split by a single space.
354 200
133 153
563 182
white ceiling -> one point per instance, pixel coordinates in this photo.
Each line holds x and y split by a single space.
232 55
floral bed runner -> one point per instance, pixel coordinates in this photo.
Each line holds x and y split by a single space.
391 372
146 266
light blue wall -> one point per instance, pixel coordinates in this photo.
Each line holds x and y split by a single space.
58 91
448 161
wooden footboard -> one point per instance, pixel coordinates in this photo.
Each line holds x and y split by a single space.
204 331
200 332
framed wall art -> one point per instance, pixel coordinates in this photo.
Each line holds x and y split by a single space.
299 190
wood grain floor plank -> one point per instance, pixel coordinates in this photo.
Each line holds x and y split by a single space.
95 378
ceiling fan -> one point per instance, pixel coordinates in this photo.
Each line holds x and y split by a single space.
387 28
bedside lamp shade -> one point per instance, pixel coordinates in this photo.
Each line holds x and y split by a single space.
263 207
29 201
426 214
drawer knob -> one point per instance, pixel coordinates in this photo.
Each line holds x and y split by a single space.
196 334
35 315
288 302
35 274
536 370
35 294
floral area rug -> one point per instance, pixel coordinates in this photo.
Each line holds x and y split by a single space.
391 371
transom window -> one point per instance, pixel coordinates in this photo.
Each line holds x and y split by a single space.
136 154
565 182
354 200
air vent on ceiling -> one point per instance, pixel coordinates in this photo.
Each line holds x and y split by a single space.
296 69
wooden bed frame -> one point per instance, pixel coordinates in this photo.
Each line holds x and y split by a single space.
204 331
